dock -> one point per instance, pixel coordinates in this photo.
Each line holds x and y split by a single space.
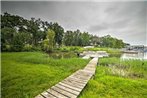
71 86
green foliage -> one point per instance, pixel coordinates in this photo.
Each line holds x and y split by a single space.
95 40
7 35
58 32
26 74
34 31
17 43
108 41
27 47
107 85
48 43
133 68
76 38
71 48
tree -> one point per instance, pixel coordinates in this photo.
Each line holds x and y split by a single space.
85 39
108 41
95 40
59 31
18 42
68 38
76 38
48 43
7 35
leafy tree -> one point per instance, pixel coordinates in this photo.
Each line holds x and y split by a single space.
48 43
108 41
76 38
59 31
18 42
68 38
7 35
95 40
85 39
18 33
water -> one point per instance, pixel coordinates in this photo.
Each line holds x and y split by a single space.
139 55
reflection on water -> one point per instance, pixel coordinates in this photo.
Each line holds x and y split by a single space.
139 55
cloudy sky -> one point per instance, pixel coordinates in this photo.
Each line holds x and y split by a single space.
124 20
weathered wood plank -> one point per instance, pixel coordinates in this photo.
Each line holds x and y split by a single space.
47 95
69 86
75 82
68 89
57 94
78 79
72 84
64 92
39 96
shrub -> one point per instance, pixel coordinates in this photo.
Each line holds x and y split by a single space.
28 47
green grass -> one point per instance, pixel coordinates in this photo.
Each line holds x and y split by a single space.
107 84
112 52
26 74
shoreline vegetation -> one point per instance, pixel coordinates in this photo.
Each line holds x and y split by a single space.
20 34
117 79
37 54
26 74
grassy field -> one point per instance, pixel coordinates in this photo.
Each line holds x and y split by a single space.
118 79
26 74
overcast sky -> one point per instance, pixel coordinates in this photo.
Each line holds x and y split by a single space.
124 20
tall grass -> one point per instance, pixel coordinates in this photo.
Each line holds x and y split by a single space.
26 74
134 68
106 84
112 52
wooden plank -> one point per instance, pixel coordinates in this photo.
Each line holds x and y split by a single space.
75 82
70 95
78 79
81 74
84 74
90 71
67 89
39 96
69 86
57 94
81 77
72 84
47 95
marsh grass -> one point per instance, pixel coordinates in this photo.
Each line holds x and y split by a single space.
133 68
107 84
26 74
112 52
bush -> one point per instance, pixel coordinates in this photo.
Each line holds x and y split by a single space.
6 47
28 47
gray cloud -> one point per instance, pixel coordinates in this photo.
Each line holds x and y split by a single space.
124 20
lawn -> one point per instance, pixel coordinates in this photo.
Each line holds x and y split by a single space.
129 81
26 74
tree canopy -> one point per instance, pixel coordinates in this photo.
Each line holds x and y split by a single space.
18 34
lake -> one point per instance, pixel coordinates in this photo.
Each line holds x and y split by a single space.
139 55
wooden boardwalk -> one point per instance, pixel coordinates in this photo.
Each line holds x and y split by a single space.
71 86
